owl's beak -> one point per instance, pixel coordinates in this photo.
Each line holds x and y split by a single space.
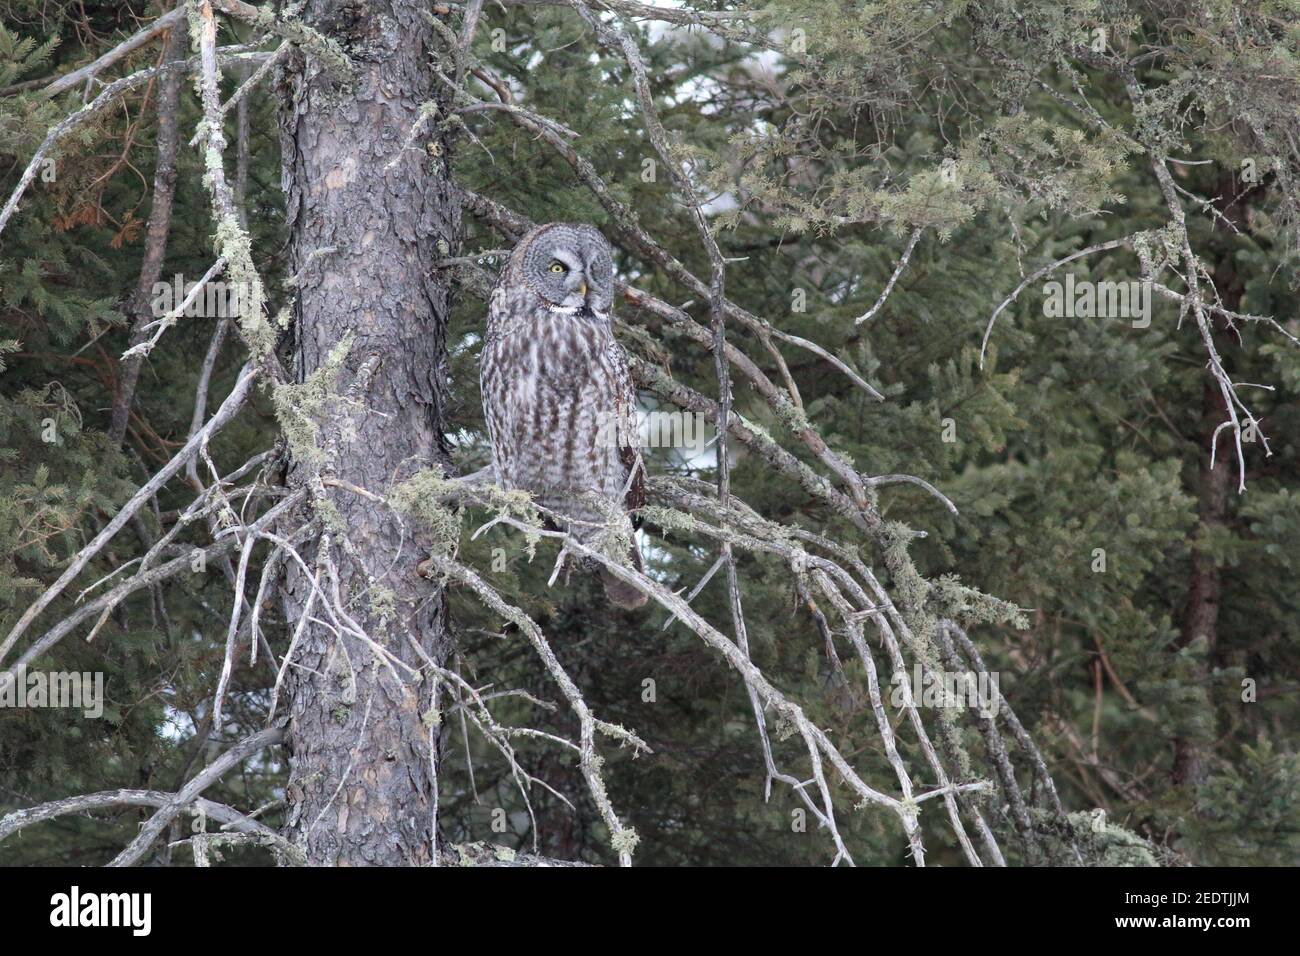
582 288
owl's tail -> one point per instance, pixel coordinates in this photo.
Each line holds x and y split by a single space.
627 596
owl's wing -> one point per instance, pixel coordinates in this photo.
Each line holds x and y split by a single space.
493 375
629 445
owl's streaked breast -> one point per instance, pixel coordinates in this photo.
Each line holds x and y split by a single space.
552 385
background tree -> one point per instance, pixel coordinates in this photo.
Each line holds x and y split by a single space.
858 205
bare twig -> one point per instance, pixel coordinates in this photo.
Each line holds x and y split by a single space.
889 286
234 401
234 756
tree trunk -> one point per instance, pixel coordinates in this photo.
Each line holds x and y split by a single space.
1201 612
156 232
363 240
1200 616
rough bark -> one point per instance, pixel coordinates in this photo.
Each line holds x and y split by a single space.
363 240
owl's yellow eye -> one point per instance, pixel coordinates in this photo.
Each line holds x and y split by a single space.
557 267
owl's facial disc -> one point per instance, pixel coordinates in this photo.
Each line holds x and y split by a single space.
569 266
568 278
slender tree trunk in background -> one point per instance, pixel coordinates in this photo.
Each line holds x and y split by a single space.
156 232
243 133
1201 612
363 240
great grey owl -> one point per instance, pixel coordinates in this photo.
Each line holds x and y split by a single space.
559 400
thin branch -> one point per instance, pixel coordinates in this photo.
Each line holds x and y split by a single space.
234 401
889 286
210 774
142 36
1045 270
230 818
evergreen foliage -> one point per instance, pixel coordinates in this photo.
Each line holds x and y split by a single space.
1076 453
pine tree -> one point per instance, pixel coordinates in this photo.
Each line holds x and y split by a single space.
930 465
